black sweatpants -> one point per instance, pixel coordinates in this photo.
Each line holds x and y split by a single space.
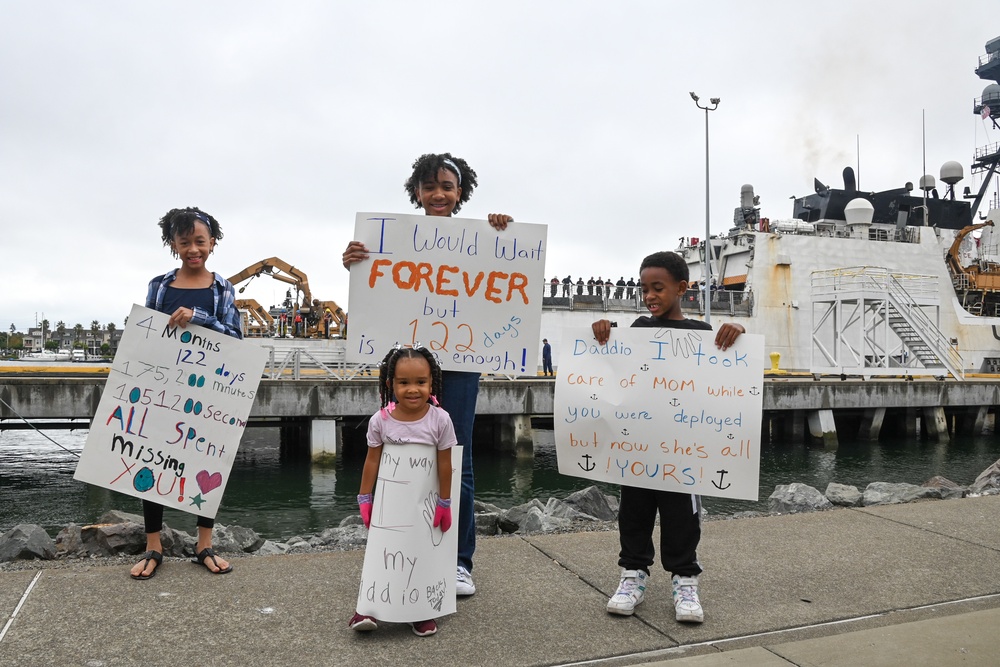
680 530
152 514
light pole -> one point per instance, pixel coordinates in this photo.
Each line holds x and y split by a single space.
708 233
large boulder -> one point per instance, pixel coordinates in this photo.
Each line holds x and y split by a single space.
487 523
118 516
70 542
235 539
890 493
947 488
592 502
485 508
352 536
26 541
111 539
270 548
511 520
988 482
536 521
797 497
558 509
843 495
329 537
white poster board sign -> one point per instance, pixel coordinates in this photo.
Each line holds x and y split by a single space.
409 570
661 409
172 413
469 293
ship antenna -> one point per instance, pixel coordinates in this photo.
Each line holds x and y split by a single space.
923 138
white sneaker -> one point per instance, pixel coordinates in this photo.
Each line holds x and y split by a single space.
631 590
464 586
686 602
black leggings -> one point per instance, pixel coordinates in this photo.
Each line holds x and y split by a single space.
680 530
152 514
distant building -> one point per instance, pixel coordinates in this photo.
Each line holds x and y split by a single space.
90 341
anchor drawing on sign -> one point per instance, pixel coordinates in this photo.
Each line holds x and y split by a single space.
722 476
754 390
589 466
644 367
593 397
675 402
730 436
624 431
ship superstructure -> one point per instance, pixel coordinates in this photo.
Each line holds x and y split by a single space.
904 281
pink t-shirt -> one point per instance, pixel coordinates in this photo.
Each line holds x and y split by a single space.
434 428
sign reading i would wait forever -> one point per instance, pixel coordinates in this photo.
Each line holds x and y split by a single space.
466 291
172 413
661 409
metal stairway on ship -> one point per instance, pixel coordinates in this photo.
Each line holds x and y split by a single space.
865 321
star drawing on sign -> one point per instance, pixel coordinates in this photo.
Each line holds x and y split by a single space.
197 500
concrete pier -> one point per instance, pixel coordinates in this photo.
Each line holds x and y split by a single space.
871 424
823 427
791 405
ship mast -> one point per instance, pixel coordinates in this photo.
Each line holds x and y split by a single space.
987 158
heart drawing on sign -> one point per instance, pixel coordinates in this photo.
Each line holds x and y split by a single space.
207 482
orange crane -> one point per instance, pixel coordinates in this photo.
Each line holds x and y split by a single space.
312 310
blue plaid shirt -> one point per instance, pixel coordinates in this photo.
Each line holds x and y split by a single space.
225 319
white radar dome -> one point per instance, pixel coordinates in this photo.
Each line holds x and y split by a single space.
927 183
951 172
859 212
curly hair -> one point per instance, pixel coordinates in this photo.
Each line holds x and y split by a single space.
426 169
180 221
671 261
387 371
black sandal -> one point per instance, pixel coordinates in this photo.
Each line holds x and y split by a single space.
151 555
208 553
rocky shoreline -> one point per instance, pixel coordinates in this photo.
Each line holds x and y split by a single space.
119 537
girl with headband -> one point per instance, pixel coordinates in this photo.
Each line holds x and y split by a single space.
440 184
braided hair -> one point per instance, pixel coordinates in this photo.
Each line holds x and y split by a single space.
426 168
181 221
387 371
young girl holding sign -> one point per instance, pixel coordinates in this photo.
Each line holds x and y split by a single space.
440 184
190 294
409 383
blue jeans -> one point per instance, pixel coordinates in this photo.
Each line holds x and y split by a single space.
459 401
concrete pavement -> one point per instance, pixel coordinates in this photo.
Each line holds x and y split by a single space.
915 584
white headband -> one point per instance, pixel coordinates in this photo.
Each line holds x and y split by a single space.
458 172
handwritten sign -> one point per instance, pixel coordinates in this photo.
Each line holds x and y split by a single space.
466 291
409 570
661 409
170 419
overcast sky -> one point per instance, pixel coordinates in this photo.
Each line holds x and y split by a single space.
285 119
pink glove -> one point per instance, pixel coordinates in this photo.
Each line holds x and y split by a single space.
442 518
365 505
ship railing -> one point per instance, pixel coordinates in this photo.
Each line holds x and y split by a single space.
296 363
582 298
864 278
735 303
988 58
986 151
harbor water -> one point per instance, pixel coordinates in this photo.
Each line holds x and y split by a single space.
280 498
